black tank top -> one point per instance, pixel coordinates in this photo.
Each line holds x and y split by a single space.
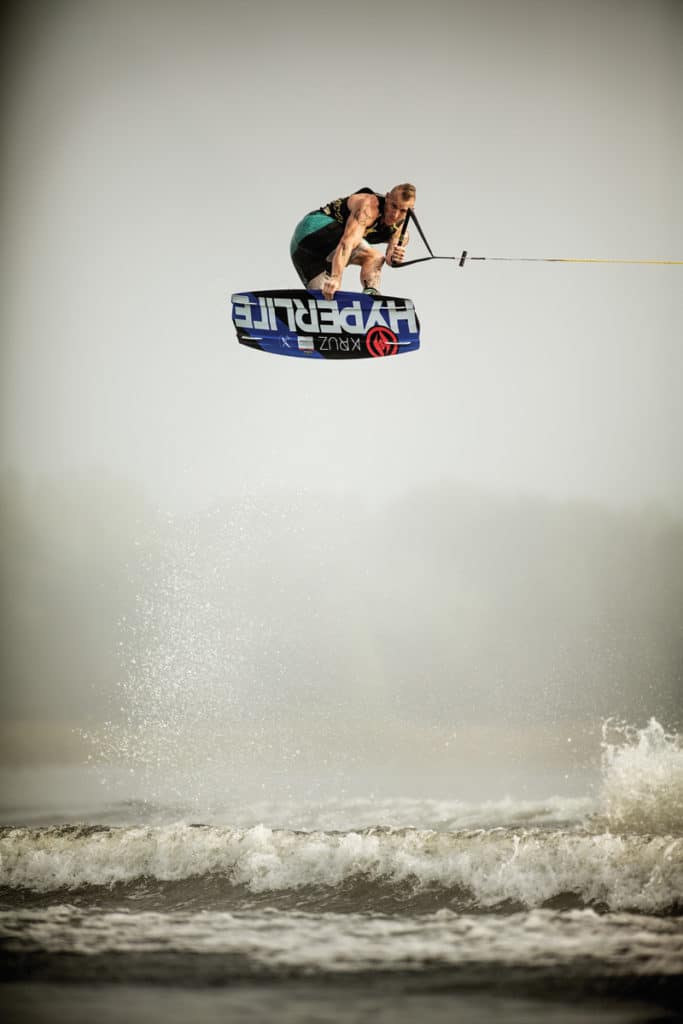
376 232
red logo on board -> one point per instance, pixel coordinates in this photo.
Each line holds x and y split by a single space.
380 341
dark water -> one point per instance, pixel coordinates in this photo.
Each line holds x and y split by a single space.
356 910
207 922
295 1001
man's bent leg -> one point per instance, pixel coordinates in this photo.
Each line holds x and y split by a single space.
316 283
368 259
370 262
314 240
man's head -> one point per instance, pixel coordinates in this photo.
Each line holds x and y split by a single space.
398 202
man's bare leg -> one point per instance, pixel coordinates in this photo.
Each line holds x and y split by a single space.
370 262
316 283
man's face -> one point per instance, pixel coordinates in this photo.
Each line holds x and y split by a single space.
395 209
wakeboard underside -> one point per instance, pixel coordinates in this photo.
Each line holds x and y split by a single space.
300 323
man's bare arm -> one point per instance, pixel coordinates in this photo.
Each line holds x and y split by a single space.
365 212
396 253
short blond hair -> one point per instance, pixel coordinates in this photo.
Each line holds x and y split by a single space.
405 191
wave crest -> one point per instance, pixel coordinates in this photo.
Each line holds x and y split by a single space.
642 778
495 867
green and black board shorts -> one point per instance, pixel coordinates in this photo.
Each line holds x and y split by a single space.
314 240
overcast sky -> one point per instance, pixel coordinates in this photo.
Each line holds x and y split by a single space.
159 154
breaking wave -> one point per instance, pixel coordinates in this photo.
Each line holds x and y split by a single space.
642 778
391 869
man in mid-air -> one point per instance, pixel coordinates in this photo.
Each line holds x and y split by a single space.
327 240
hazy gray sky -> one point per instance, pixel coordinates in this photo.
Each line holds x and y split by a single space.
159 154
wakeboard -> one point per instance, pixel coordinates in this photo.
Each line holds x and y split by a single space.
352 325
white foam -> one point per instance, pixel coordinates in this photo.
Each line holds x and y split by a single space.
642 787
572 940
526 866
